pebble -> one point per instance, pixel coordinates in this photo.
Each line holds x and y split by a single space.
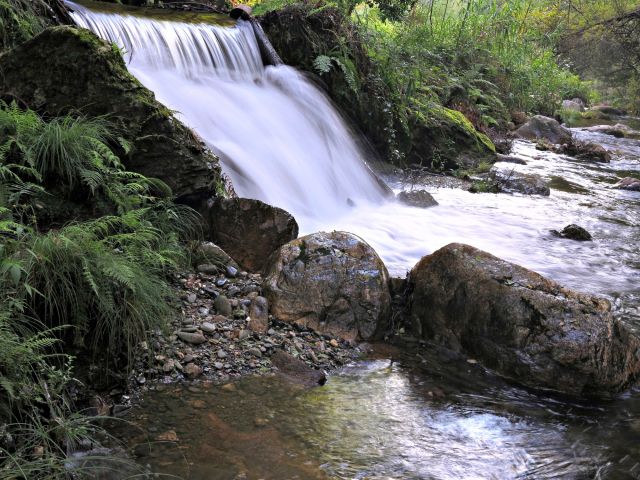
231 271
221 282
192 297
222 354
192 370
256 352
194 338
207 327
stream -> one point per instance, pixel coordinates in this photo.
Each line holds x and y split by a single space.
280 140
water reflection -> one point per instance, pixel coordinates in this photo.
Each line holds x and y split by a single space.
411 420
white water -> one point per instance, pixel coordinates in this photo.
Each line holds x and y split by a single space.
281 141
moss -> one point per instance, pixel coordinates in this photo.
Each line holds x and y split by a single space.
66 69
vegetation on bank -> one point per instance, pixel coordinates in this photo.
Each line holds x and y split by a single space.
93 286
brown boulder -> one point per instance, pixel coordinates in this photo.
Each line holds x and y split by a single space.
334 283
250 230
521 324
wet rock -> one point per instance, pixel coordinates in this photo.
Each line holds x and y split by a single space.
223 306
66 69
628 183
525 326
333 283
250 230
296 370
618 130
573 232
540 127
259 313
511 181
193 338
417 198
592 152
231 271
511 159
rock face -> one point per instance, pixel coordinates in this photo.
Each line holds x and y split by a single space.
417 198
540 127
250 230
573 232
629 183
524 326
65 69
333 283
516 182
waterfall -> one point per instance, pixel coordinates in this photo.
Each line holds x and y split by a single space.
281 141
278 137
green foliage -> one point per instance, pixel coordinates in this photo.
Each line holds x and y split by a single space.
20 20
73 155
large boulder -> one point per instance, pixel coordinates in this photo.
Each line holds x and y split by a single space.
333 283
521 324
69 70
249 230
545 128
444 139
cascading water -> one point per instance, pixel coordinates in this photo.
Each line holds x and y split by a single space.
281 141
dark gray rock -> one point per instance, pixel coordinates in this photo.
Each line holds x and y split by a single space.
417 198
545 128
573 232
521 324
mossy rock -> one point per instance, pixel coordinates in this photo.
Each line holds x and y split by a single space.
69 70
303 35
20 20
443 139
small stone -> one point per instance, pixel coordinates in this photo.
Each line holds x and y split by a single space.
259 313
218 365
207 327
208 268
168 366
243 334
204 311
255 352
261 422
191 329
472 361
221 282
231 271
192 370
188 358
334 343
223 306
228 387
271 331
212 292
233 291
192 297
193 338
141 380
168 436
222 354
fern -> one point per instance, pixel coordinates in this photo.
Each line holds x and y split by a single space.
322 64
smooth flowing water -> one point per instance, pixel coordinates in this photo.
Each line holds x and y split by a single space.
280 140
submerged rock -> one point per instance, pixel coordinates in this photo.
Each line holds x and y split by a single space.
69 70
521 324
544 128
333 283
628 183
250 230
296 370
417 198
510 181
573 232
